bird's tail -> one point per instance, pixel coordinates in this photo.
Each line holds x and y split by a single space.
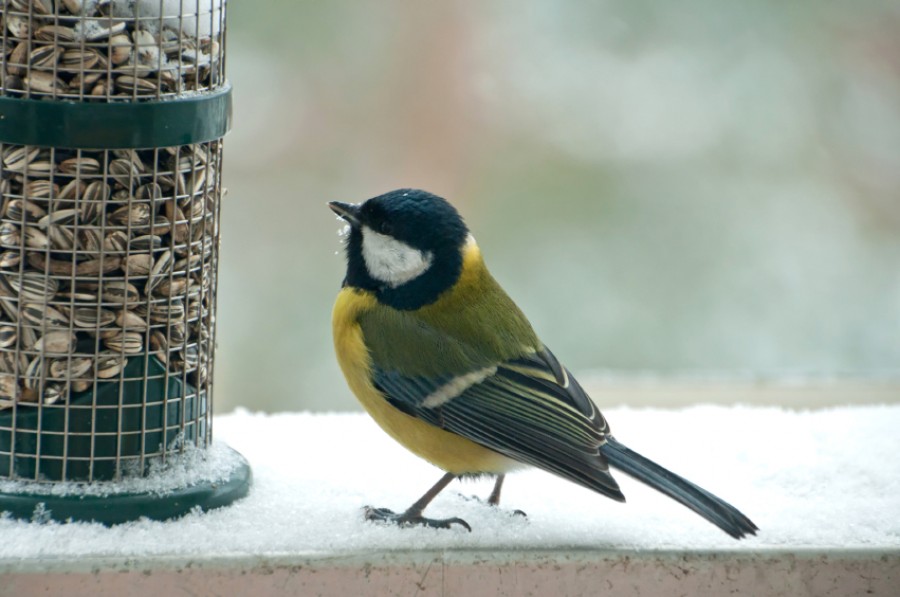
714 509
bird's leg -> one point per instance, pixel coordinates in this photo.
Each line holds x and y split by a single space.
494 498
413 514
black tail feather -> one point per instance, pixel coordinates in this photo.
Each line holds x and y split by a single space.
714 509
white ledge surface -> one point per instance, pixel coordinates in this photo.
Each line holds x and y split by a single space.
822 486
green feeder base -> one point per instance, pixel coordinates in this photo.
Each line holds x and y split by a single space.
125 507
99 431
90 437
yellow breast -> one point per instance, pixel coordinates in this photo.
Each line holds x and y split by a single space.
445 450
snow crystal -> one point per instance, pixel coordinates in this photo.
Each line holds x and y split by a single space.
200 18
818 479
195 17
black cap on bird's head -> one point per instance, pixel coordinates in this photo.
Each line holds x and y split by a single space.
406 246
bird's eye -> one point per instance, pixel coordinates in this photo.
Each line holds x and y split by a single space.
386 228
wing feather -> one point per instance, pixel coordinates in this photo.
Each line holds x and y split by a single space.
529 408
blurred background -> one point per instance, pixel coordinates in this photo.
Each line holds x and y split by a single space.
691 190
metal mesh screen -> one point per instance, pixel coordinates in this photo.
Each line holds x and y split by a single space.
108 258
112 49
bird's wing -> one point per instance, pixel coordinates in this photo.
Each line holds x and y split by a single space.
529 408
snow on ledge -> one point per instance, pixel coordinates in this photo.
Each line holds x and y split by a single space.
826 479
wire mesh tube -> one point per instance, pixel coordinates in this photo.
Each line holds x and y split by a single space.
109 232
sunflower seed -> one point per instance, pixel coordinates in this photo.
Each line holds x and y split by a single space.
40 166
80 385
58 342
92 317
147 242
79 165
70 369
8 362
73 6
129 320
89 241
9 235
166 312
9 390
195 310
40 7
171 287
35 373
53 392
139 264
97 191
44 315
17 60
44 82
84 81
132 156
18 159
177 334
61 237
119 292
23 210
101 89
18 26
78 61
124 172
109 364
35 239
191 357
44 57
159 345
34 287
127 342
78 299
119 49
8 336
41 189
10 259
180 229
161 268
115 242
136 215
151 190
104 265
56 267
72 190
61 217
188 263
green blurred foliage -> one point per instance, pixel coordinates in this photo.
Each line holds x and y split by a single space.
685 188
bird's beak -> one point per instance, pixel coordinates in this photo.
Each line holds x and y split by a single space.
347 211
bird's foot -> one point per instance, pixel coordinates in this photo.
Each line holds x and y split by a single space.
407 519
488 502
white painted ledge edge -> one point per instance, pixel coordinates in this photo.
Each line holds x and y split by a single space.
768 572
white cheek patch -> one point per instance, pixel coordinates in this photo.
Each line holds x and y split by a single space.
392 261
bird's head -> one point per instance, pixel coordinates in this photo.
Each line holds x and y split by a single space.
406 246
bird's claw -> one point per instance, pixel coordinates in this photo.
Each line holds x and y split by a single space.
408 519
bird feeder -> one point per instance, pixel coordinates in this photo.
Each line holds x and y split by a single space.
112 114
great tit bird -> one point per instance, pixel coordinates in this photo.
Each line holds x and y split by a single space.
448 365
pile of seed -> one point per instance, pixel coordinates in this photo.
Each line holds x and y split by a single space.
83 49
105 256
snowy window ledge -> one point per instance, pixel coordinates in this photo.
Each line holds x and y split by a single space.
821 484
